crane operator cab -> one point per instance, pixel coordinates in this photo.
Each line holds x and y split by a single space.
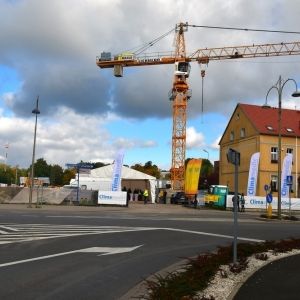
182 69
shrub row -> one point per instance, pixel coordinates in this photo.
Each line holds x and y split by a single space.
197 272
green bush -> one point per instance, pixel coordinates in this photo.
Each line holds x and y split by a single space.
198 272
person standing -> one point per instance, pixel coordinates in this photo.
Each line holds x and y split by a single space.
195 202
125 190
145 194
242 203
161 195
128 197
237 203
165 197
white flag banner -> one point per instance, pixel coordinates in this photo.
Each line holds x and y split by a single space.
252 177
116 176
286 171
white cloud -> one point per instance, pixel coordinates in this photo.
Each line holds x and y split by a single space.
51 48
215 144
194 139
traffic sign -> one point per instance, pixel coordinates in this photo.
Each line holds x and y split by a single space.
269 198
289 180
72 165
81 166
266 187
85 166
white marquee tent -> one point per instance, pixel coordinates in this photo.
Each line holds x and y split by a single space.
105 174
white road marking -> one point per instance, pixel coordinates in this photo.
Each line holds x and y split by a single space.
33 232
191 218
106 250
8 228
214 234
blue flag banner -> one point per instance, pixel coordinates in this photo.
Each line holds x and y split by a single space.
286 171
252 178
117 171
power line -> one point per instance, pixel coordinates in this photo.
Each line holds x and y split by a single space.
244 29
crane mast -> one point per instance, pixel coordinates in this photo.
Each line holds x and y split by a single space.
180 92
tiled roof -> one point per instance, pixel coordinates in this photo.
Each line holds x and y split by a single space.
261 118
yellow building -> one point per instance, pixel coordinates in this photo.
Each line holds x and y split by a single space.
253 129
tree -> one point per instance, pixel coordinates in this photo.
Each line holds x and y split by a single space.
41 168
6 176
68 174
56 175
148 168
138 167
206 167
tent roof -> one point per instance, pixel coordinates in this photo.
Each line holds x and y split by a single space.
127 173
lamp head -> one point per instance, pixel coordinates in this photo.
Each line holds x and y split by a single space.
266 106
296 94
36 111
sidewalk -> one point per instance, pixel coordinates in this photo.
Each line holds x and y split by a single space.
277 280
133 207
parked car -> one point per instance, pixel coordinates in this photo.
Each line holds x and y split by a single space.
179 197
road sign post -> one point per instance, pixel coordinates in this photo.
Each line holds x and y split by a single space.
78 166
233 157
269 199
266 188
289 183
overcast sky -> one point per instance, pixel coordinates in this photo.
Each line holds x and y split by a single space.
49 48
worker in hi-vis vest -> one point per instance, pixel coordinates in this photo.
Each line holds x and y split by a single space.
145 196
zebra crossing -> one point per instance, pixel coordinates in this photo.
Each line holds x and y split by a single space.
16 233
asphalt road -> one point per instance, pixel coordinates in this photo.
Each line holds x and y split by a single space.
102 253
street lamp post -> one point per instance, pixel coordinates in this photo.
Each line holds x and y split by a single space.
207 153
279 87
36 112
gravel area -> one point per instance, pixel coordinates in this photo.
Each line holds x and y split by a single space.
225 288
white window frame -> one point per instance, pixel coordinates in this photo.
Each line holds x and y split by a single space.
243 132
274 178
231 135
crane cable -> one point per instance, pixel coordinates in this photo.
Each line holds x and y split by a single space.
145 46
245 29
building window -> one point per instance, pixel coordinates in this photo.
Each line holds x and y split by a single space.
231 135
270 128
243 132
274 183
274 154
290 151
289 129
237 117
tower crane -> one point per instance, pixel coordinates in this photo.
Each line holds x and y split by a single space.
180 92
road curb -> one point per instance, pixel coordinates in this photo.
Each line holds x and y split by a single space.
140 288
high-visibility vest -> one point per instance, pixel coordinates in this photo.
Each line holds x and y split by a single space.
146 193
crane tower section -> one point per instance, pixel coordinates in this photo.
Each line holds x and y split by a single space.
179 94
